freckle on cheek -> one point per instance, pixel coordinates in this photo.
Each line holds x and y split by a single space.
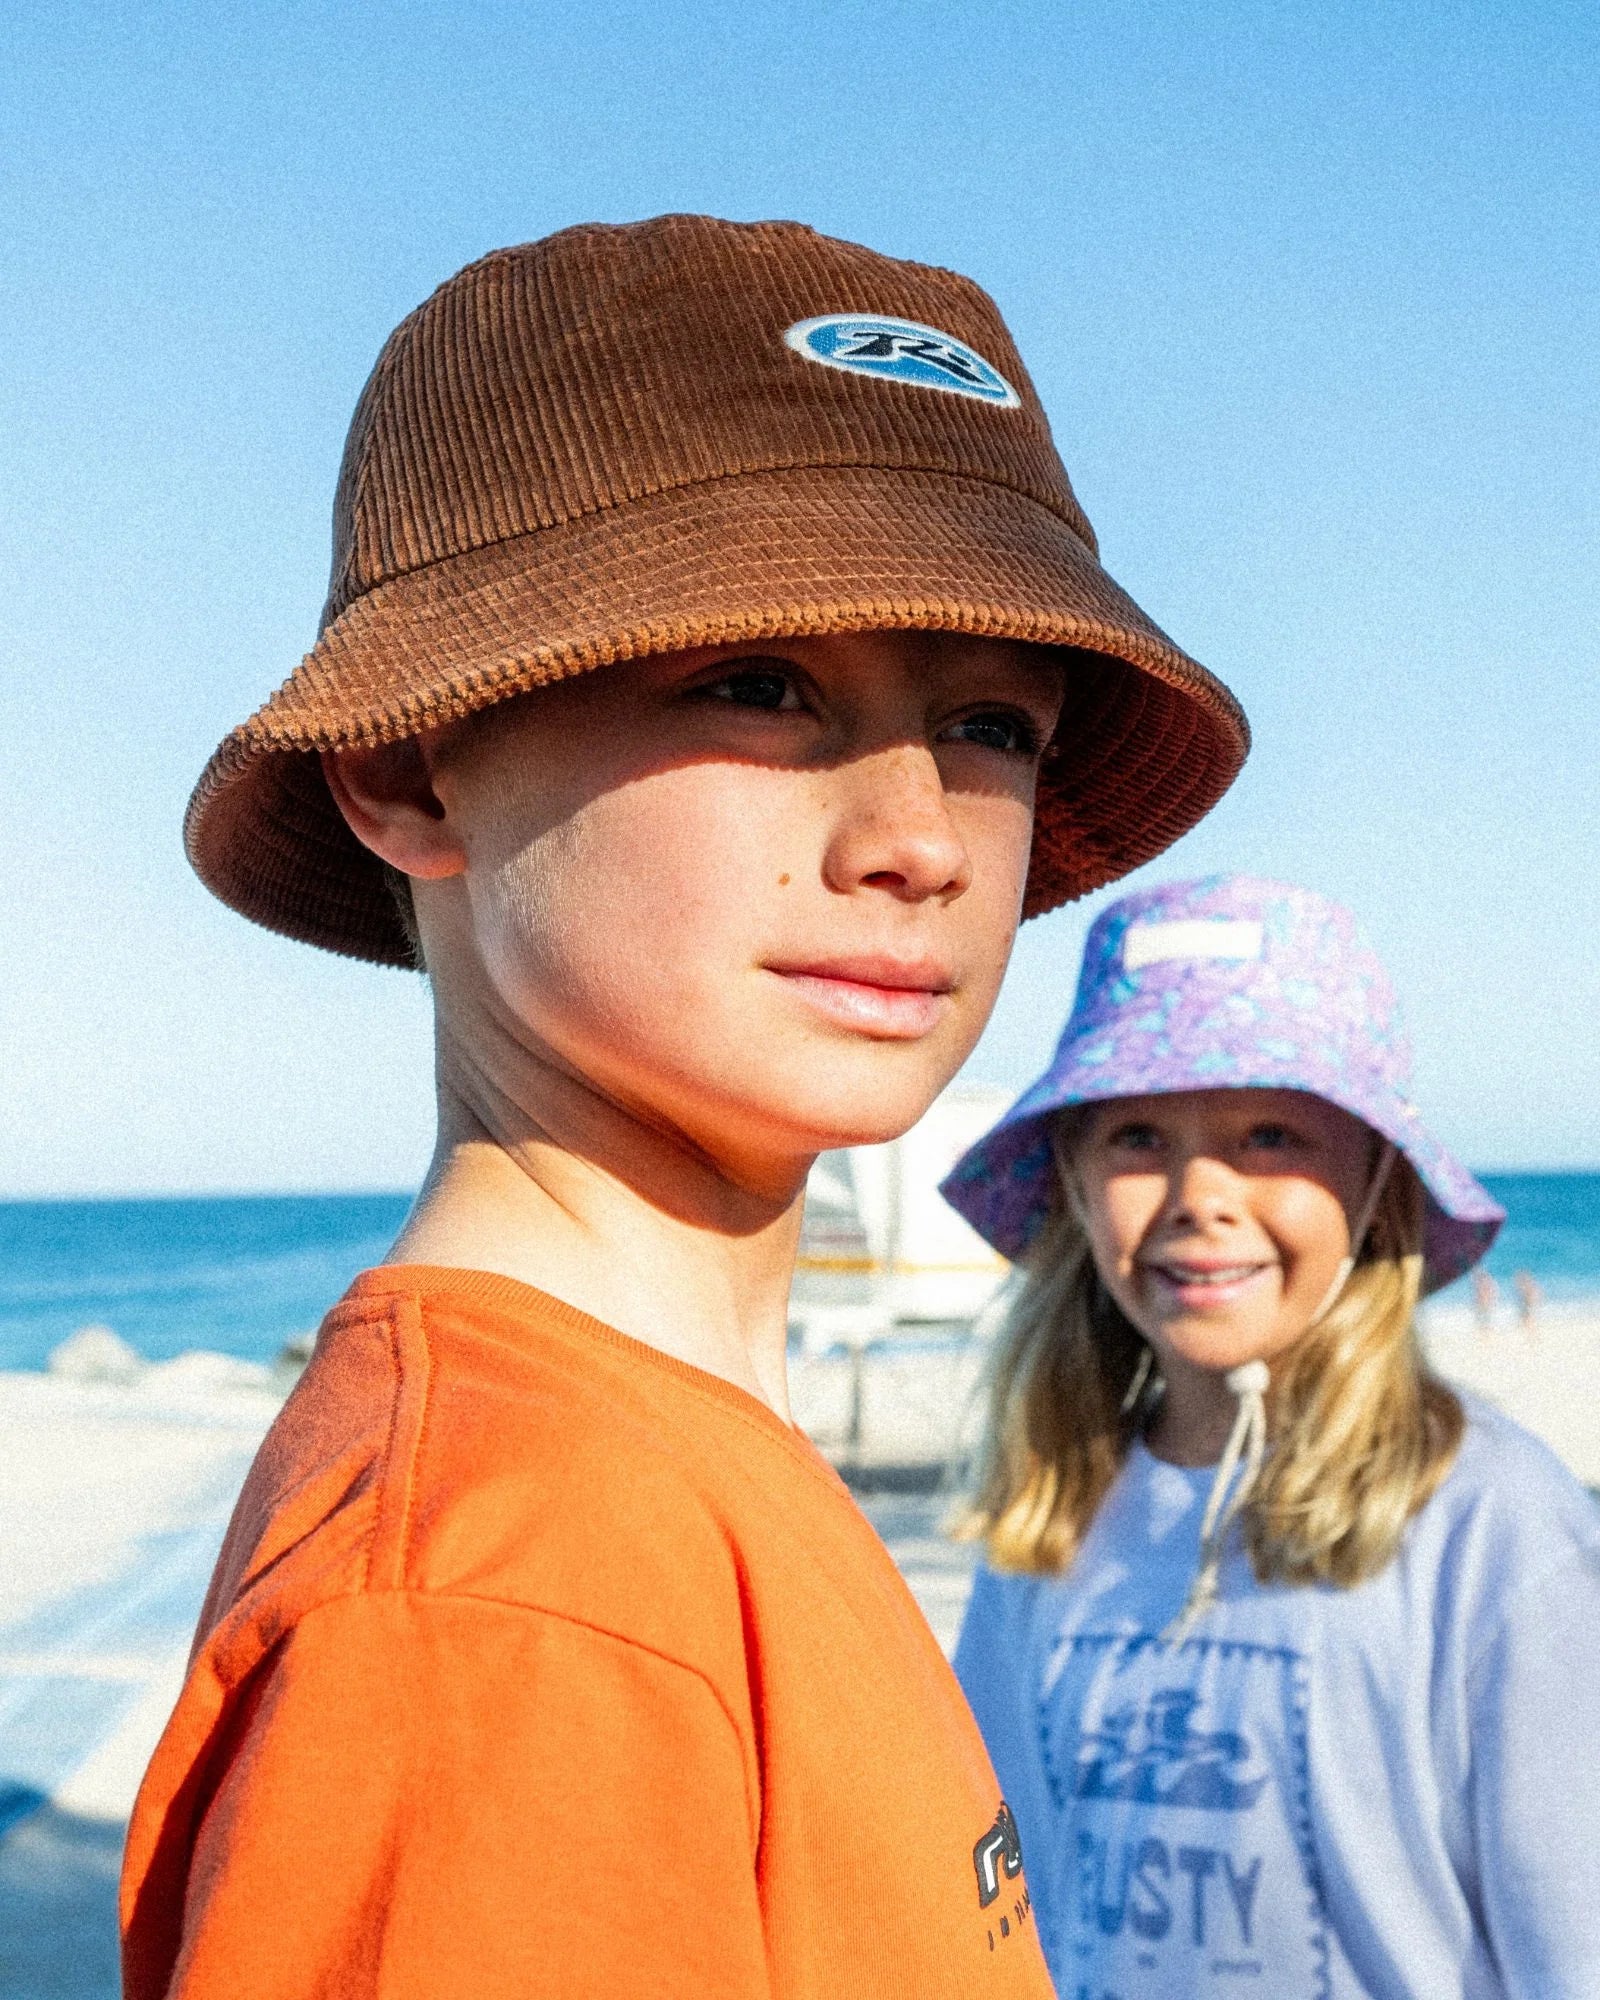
783 881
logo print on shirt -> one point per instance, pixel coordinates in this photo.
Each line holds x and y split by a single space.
901 350
1159 1760
999 1852
1182 1859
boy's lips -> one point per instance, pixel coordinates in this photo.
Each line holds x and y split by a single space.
892 999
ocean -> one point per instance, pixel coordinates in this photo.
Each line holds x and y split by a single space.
240 1275
245 1274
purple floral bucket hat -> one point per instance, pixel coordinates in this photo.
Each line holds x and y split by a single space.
1226 983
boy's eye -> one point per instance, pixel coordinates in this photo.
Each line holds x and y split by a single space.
997 729
757 684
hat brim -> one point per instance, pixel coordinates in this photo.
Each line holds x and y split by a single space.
1004 1185
1147 743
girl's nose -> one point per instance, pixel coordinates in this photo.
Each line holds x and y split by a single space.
1203 1193
893 829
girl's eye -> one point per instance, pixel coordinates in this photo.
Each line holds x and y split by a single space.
1136 1138
757 686
1269 1138
997 729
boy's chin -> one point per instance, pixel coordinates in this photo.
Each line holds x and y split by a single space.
848 1108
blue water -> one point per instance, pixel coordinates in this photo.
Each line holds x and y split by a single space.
244 1275
1552 1229
240 1275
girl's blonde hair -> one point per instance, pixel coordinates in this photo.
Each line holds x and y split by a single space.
1360 1430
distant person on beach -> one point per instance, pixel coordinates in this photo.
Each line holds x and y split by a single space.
1485 1301
1529 1298
1285 1652
716 666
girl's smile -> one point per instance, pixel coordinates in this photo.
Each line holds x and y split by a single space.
1199 1286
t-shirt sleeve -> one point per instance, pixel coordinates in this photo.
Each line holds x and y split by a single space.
992 1667
448 1797
1535 1722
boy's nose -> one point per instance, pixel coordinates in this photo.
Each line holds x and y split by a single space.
894 830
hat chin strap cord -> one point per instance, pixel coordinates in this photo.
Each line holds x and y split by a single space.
1358 1234
1248 1438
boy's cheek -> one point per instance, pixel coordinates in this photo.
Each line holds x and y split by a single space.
997 830
635 933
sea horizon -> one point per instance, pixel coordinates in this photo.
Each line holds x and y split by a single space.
243 1274
57 1198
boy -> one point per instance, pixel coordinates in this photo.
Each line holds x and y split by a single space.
709 606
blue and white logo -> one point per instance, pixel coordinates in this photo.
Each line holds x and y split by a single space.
901 350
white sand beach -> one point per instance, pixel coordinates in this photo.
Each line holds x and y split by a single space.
1547 1379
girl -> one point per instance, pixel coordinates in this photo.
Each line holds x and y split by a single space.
1287 1655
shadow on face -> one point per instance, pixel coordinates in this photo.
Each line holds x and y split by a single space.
763 898
982 709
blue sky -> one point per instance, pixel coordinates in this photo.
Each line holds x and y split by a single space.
1311 296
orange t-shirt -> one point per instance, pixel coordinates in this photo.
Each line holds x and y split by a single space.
537 1662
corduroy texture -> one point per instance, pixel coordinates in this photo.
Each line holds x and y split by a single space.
598 447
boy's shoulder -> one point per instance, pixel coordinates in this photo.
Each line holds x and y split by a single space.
461 1436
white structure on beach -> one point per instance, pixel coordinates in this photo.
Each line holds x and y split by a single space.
880 1248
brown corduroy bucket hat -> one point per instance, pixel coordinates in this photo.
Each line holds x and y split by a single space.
623 441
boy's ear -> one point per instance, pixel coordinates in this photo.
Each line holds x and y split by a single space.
385 791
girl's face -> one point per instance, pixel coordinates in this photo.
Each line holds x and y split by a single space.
1218 1218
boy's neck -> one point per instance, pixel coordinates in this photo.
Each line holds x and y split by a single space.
559 1189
